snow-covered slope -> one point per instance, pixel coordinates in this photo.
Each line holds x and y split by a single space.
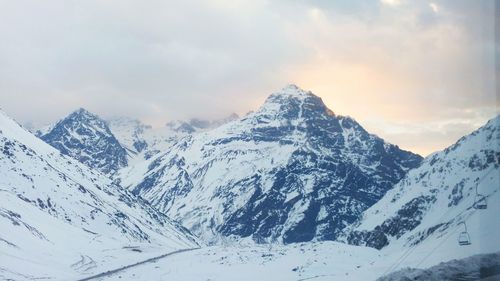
87 138
291 171
60 220
421 217
130 133
443 185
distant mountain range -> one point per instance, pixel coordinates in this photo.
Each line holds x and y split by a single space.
109 145
143 141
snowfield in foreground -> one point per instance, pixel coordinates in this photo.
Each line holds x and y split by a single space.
304 261
319 261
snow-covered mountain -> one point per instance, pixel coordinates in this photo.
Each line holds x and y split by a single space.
145 141
60 220
290 171
130 133
453 191
87 138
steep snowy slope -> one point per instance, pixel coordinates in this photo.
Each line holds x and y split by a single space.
87 138
432 194
291 171
60 219
422 217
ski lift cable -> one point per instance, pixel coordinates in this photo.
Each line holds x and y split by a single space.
400 260
444 240
410 250
465 225
439 245
450 234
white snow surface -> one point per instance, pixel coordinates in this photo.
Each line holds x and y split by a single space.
304 261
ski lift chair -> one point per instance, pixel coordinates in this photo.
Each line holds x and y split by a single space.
480 202
464 238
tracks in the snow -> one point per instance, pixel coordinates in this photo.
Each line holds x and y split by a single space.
114 271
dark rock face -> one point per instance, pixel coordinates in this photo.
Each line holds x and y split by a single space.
406 219
87 138
308 173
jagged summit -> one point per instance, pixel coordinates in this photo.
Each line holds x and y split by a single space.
290 92
83 111
293 90
84 116
87 138
292 102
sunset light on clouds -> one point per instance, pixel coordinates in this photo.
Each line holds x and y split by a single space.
417 73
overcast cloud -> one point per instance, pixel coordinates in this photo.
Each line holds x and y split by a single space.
418 73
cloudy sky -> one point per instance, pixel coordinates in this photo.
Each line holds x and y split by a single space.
417 73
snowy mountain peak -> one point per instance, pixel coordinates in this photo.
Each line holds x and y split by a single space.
292 102
87 138
82 115
83 111
290 91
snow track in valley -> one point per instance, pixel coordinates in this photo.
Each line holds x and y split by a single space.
114 271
